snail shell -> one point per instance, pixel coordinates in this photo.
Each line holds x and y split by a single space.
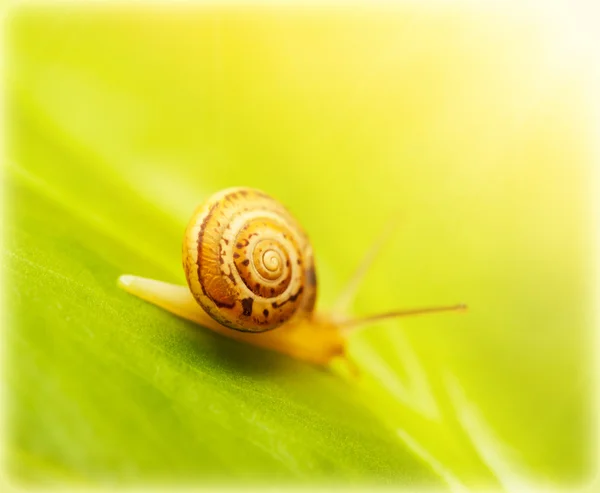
247 261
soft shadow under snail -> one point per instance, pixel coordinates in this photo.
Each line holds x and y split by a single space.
251 277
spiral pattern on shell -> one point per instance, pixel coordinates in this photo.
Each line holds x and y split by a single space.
247 261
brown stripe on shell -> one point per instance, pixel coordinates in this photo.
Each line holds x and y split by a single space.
199 245
292 298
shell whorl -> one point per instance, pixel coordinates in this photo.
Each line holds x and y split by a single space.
247 261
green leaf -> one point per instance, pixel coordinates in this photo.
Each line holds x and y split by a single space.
122 120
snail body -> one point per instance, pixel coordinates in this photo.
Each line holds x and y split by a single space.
251 277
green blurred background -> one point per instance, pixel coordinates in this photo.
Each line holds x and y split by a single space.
469 127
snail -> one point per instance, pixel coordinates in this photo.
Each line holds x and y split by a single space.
251 277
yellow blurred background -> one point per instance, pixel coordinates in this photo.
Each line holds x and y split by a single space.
470 127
